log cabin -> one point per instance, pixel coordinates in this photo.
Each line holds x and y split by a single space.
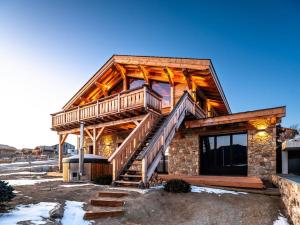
163 114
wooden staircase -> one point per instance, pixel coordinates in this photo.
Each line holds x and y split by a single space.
107 204
136 159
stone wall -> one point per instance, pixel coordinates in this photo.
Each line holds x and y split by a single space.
290 194
107 143
184 154
262 153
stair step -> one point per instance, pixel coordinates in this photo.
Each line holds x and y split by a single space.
131 176
127 183
112 194
108 203
133 172
90 215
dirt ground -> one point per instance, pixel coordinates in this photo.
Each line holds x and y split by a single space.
158 207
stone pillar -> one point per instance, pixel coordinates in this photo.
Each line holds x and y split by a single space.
184 154
285 162
262 153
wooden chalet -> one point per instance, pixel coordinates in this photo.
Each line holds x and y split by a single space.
146 114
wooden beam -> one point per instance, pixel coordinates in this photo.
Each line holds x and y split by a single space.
122 71
99 133
170 75
237 117
136 122
105 124
145 74
188 78
89 133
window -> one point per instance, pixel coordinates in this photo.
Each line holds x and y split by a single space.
135 83
164 89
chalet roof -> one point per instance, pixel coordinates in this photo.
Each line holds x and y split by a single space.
201 71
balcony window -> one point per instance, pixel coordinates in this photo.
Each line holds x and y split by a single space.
135 83
164 89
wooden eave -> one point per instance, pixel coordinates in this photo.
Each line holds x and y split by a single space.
154 68
277 113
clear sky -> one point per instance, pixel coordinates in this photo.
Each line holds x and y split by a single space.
49 49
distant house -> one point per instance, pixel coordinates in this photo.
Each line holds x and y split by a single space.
67 148
7 151
44 150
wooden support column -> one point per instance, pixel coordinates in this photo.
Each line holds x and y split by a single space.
122 71
94 141
94 137
61 140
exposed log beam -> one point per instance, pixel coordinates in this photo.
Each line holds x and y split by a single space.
145 74
188 78
89 133
122 71
99 133
170 75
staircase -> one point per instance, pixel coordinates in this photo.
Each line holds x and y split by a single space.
136 159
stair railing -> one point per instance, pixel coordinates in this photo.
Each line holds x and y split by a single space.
152 154
126 150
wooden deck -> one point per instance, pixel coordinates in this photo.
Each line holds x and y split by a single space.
222 181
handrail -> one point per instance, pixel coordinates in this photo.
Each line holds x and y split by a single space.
129 146
163 136
127 100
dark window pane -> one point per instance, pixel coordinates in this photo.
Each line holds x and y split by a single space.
239 149
164 89
116 89
135 83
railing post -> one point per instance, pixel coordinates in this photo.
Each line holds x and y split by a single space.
119 102
145 97
144 170
97 109
114 169
78 114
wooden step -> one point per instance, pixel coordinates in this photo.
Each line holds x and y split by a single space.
112 194
90 215
107 203
131 176
127 183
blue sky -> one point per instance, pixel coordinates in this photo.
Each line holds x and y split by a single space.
49 49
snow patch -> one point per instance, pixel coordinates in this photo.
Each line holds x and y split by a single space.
74 214
76 185
35 213
196 189
26 163
24 173
21 182
281 220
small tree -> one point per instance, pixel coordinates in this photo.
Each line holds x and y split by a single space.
177 186
6 192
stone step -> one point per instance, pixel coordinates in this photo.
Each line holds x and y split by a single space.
107 203
127 183
112 194
90 215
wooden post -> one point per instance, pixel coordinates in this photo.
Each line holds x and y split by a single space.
144 171
81 153
60 153
94 141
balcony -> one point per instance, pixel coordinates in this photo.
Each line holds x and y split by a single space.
123 105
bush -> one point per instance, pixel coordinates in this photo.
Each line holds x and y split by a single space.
177 186
6 192
103 180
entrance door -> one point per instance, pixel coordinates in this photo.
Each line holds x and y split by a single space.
224 155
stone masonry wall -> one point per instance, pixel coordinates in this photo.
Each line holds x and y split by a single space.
290 194
184 154
107 143
262 153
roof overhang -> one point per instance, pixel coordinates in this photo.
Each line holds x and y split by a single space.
158 62
274 113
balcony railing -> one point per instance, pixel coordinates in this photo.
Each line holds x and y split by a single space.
125 101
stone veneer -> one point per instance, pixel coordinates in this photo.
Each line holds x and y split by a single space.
184 154
290 194
262 153
107 143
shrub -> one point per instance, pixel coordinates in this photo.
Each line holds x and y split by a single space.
103 180
177 186
6 192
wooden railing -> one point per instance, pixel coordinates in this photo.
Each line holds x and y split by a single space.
151 156
129 146
127 100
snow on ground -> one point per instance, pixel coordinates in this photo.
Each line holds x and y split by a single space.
20 182
74 213
214 191
77 185
36 213
281 221
26 163
24 173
